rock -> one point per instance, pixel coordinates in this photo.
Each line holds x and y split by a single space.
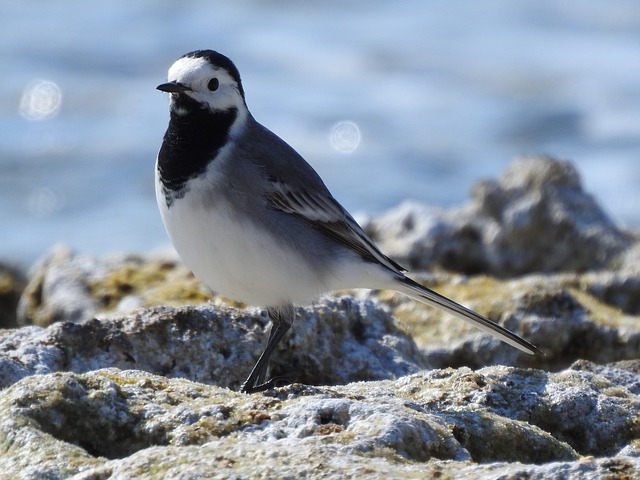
335 342
12 283
568 316
341 339
535 218
461 423
629 262
72 288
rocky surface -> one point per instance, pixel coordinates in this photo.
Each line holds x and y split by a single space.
572 316
336 341
129 424
12 284
72 288
126 366
590 316
535 218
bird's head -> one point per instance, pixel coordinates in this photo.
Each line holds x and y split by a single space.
204 79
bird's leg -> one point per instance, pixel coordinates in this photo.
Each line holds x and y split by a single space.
281 320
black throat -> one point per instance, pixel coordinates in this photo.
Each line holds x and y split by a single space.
190 143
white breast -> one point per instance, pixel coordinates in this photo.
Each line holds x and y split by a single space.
232 256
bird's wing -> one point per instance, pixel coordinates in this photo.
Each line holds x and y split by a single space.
321 211
298 190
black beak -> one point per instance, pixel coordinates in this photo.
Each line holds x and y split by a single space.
173 87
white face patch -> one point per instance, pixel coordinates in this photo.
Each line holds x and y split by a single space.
196 73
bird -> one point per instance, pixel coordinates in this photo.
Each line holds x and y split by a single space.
254 221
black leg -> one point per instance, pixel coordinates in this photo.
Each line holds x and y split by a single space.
281 320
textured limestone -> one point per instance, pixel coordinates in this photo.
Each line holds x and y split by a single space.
12 283
569 316
535 218
341 339
129 424
65 286
336 341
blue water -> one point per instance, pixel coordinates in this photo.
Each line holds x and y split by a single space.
436 95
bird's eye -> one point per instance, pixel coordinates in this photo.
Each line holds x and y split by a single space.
213 85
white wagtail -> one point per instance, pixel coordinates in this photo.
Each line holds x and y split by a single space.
253 219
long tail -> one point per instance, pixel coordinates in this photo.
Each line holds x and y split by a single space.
425 295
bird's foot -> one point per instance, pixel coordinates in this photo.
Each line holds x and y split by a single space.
273 383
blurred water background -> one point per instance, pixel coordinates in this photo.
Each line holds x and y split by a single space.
388 100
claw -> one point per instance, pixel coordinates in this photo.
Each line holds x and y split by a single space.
275 382
281 318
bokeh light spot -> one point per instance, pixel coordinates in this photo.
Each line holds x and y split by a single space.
345 136
40 100
44 202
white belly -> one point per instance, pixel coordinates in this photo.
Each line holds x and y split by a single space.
236 259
